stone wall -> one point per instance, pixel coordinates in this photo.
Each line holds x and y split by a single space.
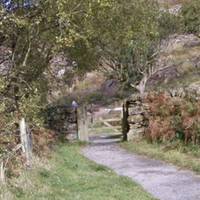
62 119
137 117
138 112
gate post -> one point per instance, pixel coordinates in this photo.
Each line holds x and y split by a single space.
125 123
83 132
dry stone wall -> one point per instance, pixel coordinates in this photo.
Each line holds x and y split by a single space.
63 120
137 117
138 111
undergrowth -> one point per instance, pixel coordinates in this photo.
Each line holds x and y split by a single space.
173 118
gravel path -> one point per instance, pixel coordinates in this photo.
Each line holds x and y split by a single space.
163 181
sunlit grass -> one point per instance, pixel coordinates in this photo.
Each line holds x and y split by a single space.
70 176
183 156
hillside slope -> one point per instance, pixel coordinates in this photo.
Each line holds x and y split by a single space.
178 63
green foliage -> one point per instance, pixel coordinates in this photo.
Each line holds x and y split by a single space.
169 24
125 32
29 36
191 16
120 36
177 125
31 108
192 108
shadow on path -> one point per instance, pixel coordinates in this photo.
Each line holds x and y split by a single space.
105 140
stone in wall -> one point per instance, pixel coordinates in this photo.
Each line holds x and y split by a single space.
135 110
136 119
135 133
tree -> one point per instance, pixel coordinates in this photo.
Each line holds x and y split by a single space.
33 36
30 37
118 35
123 33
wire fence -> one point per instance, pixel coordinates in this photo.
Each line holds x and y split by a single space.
25 148
22 147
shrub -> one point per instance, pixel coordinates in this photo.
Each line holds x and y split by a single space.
169 24
191 16
173 118
160 130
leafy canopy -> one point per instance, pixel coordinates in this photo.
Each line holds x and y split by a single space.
118 36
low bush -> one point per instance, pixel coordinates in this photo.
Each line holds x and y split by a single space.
43 141
191 16
173 118
169 24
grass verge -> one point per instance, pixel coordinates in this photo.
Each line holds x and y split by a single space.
70 176
175 153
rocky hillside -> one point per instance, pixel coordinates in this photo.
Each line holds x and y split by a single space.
172 3
178 63
178 59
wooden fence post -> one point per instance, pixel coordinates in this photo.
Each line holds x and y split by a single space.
2 174
26 142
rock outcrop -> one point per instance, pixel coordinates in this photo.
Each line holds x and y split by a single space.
59 75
